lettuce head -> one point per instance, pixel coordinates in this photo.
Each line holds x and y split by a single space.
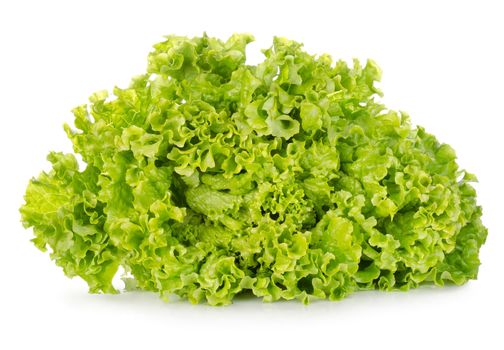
207 177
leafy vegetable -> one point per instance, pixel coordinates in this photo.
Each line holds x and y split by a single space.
207 177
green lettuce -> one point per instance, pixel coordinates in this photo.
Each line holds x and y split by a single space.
208 177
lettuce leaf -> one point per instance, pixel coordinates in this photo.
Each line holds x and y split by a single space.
207 177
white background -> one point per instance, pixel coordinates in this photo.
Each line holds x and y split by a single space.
443 63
